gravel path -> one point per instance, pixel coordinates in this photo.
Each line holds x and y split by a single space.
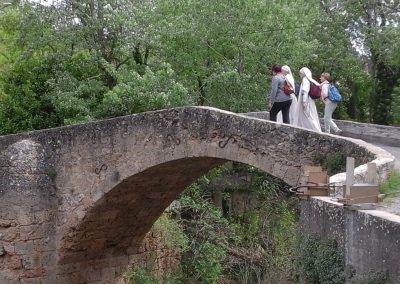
391 205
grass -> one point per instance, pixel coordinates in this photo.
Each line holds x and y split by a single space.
391 187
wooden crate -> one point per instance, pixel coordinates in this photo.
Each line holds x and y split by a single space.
313 174
316 181
362 193
318 177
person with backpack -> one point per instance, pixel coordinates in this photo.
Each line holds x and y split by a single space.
306 112
278 100
330 98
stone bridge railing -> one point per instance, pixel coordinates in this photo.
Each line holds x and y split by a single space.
382 134
364 133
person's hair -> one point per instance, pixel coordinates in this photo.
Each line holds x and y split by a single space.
276 68
327 76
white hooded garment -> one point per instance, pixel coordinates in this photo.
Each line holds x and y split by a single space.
306 114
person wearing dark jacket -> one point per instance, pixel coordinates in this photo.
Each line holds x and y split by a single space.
278 100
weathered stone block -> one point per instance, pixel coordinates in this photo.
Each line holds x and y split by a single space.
23 247
14 262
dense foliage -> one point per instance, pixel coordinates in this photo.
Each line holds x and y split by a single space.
318 261
75 61
249 240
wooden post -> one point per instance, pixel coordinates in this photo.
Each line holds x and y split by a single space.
349 175
371 174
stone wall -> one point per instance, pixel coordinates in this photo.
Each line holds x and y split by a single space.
386 135
154 256
368 239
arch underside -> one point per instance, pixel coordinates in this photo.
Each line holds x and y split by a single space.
118 222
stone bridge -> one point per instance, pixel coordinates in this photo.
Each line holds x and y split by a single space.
77 201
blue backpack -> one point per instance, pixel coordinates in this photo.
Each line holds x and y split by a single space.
333 94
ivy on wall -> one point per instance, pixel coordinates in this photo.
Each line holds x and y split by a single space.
318 261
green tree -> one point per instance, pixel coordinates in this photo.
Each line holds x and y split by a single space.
374 27
336 55
223 50
254 246
75 56
9 19
396 104
219 53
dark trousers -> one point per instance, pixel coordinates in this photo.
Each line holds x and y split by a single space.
280 106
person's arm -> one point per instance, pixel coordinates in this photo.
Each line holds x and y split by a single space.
324 93
305 88
274 89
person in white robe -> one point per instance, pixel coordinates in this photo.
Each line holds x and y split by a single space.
306 115
290 80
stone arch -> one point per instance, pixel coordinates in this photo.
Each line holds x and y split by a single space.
88 169
163 153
